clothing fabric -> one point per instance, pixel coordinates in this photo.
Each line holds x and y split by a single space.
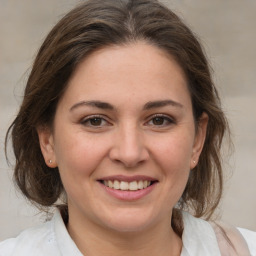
199 238
52 239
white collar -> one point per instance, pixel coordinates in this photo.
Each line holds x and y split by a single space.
65 243
198 237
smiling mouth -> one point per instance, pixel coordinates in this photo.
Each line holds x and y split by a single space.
127 186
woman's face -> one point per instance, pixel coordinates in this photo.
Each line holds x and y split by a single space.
124 138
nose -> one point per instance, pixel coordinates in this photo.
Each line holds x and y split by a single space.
129 147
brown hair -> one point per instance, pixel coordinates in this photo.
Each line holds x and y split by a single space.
96 24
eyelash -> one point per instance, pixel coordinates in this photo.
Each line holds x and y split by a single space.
166 119
88 119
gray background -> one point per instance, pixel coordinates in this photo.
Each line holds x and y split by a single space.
227 30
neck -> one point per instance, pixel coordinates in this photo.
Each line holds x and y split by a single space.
93 240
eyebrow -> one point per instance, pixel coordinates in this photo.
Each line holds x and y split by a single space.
161 103
104 105
93 103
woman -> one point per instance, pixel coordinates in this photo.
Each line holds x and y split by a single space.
121 129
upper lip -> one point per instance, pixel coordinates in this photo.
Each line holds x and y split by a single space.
128 178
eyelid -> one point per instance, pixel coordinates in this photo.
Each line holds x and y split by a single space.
170 119
88 118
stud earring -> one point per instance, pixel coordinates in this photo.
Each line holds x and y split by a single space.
194 161
50 161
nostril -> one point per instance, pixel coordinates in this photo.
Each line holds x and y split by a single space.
128 163
129 152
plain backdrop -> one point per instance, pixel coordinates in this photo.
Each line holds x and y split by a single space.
227 31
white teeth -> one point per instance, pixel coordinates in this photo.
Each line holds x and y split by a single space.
123 185
110 184
133 185
140 184
116 184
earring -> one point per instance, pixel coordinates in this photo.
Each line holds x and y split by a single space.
194 161
50 161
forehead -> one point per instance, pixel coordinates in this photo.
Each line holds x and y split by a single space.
133 71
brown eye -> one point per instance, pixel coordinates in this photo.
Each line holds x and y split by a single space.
158 120
96 121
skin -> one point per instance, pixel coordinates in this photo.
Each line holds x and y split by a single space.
125 140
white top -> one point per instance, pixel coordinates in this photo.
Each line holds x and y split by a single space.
52 239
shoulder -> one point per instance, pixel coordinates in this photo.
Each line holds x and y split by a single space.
211 238
239 241
34 241
250 238
198 237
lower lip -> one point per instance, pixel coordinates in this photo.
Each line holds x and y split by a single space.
128 195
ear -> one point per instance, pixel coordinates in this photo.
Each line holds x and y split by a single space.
47 146
199 139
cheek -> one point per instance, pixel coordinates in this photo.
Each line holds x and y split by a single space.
79 156
174 152
173 156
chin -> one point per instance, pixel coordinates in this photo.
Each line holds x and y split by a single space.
129 226
129 222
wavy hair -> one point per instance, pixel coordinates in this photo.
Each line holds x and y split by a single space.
96 24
